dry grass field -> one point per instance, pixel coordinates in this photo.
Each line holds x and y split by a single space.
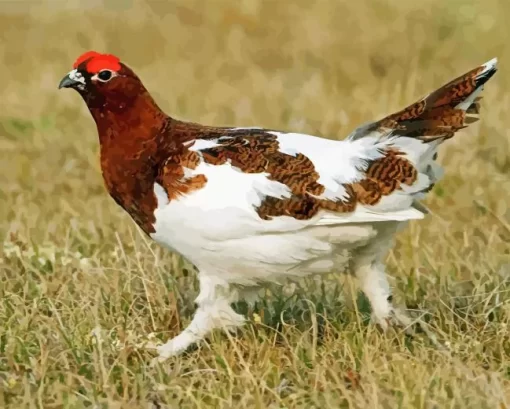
82 289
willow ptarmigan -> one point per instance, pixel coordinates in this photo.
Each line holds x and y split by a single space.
248 206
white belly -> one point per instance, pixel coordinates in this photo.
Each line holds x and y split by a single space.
233 244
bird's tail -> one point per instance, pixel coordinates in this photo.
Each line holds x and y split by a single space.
417 130
440 114
446 110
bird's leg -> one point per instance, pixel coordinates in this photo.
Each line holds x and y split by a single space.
366 264
374 284
213 311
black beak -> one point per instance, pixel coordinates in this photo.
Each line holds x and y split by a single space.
67 82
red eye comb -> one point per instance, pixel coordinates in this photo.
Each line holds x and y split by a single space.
85 57
97 62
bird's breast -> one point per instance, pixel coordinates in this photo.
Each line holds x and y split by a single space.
130 183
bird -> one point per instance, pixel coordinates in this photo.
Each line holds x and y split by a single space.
250 206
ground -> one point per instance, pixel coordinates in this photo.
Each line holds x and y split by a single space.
82 289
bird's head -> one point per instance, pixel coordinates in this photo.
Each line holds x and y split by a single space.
103 81
114 94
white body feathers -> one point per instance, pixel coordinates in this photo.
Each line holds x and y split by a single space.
218 229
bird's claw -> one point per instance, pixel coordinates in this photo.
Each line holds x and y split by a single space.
398 319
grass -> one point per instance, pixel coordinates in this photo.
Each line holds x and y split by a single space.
81 288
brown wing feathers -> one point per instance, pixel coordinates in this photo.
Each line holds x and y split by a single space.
257 151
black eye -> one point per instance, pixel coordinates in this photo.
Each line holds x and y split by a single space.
104 75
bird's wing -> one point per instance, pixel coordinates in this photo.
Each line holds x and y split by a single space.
265 182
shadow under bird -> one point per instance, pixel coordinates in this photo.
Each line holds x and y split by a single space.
249 206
